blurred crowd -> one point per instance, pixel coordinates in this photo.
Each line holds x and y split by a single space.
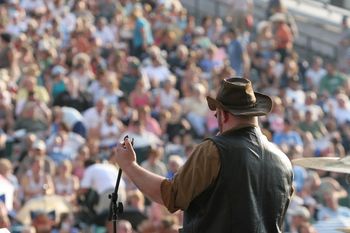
77 76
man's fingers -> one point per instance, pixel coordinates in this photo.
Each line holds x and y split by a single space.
127 144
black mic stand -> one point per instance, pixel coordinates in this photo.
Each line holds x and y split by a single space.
116 207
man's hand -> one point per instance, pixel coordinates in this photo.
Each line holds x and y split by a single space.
126 155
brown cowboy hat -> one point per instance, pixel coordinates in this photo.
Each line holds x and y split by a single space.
236 96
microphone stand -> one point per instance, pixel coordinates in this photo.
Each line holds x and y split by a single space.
116 207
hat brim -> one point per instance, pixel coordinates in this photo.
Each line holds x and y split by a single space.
262 106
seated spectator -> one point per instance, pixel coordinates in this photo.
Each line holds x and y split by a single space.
101 178
130 78
315 73
81 74
151 124
30 89
37 150
6 171
74 97
94 116
332 81
111 91
125 111
168 94
157 71
64 144
36 182
312 125
139 97
299 216
330 191
154 162
34 115
57 83
66 184
71 117
288 136
209 62
342 109
134 211
110 130
174 164
143 139
195 109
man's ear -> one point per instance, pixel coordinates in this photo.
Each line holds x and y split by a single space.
226 116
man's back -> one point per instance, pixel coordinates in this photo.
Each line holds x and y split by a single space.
252 191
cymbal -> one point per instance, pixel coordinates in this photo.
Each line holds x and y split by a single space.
331 164
345 229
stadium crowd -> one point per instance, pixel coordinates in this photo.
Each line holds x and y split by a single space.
77 76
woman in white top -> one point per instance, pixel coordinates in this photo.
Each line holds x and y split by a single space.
66 184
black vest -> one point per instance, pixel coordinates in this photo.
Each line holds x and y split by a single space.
252 191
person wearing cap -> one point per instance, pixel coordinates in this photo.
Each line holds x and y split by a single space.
235 181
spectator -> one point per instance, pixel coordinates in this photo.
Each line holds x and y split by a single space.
330 192
154 161
110 130
235 52
94 116
64 144
283 35
142 35
332 81
195 109
288 136
37 150
101 177
66 184
36 182
315 73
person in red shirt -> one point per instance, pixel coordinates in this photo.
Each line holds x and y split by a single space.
283 35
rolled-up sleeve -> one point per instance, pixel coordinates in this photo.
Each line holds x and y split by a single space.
197 174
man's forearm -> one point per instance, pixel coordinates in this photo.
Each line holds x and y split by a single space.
148 182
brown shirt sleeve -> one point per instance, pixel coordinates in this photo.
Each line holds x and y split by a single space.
200 171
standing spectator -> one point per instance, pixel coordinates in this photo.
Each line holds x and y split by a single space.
142 35
236 52
283 35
